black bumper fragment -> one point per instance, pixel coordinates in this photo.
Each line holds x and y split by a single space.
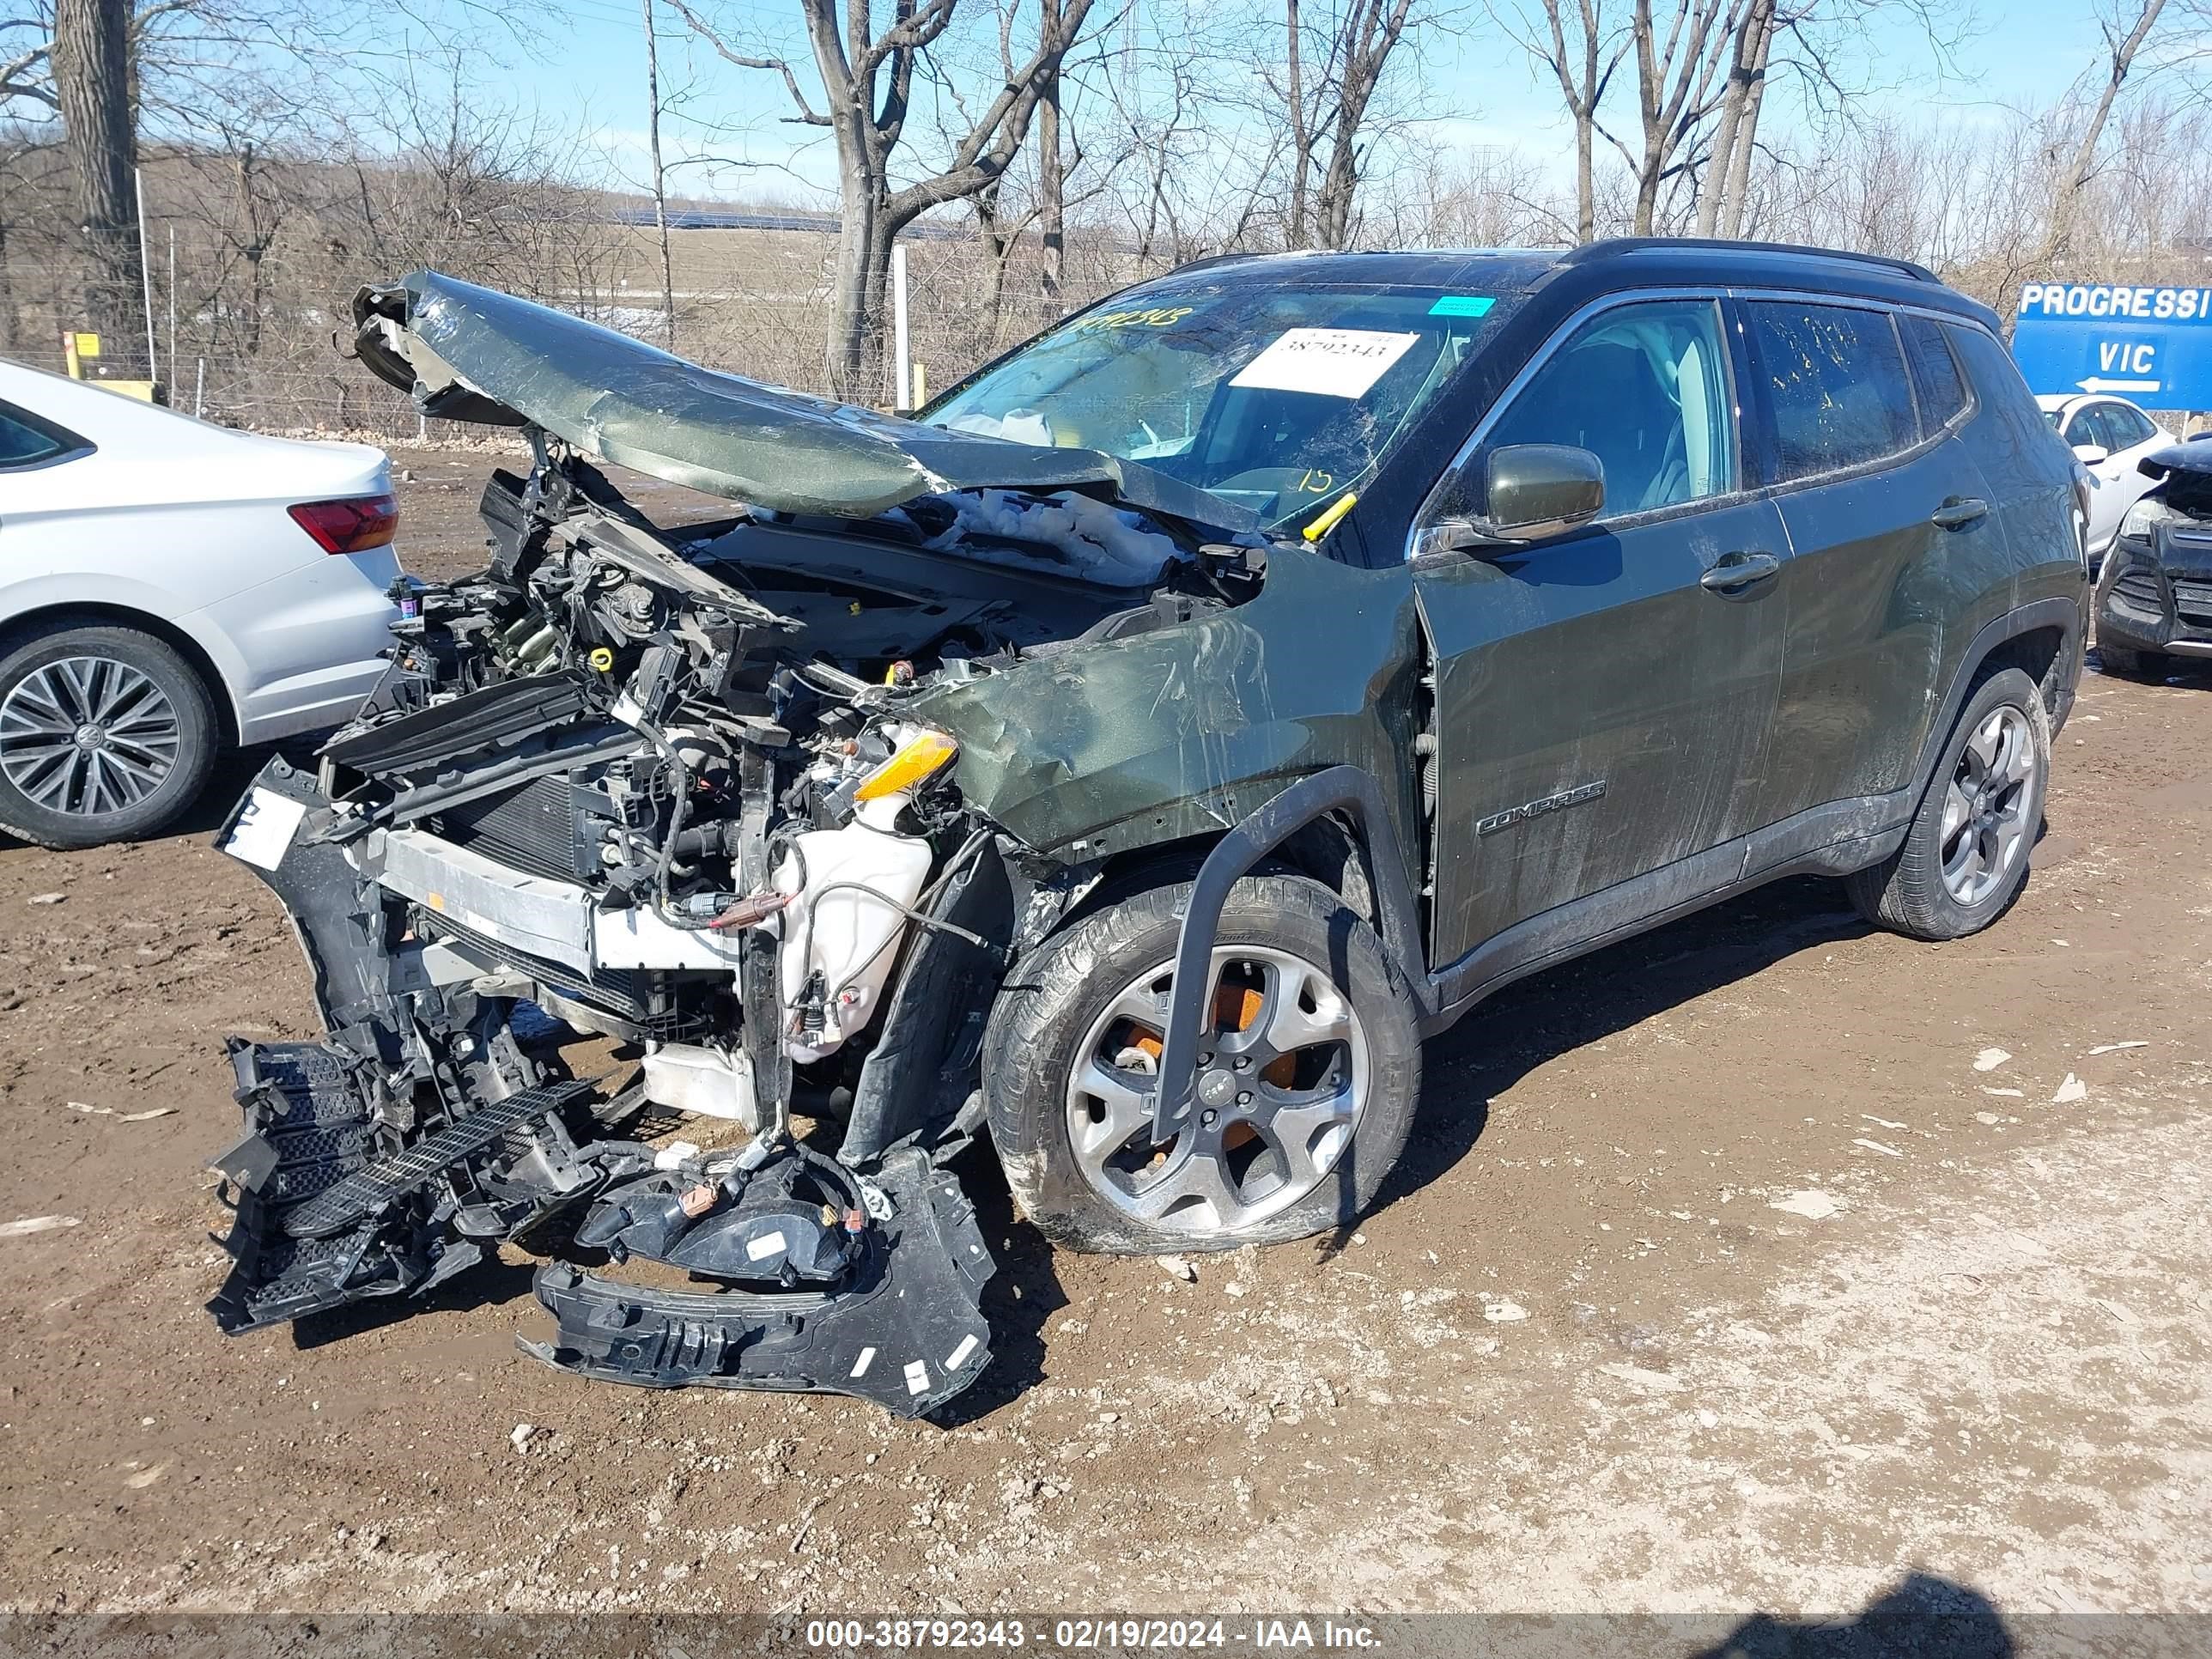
905 1328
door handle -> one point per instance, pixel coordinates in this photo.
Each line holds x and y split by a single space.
1959 511
1732 571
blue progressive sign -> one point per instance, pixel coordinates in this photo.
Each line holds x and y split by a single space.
2153 345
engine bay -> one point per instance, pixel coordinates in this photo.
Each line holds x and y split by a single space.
669 790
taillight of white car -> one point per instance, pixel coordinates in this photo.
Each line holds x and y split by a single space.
354 525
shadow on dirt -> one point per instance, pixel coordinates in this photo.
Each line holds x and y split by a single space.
1922 1617
1585 1001
489 1284
1023 1295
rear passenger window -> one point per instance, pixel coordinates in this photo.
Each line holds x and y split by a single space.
1935 376
2128 427
1835 379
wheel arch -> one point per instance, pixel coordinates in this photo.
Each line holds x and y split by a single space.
1330 851
1350 848
2044 639
99 614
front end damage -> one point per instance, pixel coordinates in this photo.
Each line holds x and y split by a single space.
669 792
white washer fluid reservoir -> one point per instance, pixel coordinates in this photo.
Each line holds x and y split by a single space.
846 933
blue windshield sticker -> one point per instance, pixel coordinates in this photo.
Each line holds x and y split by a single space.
1462 305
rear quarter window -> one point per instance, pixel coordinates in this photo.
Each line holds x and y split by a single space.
1937 379
1836 385
1997 385
26 441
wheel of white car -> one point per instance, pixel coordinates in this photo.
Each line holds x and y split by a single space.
1305 1084
107 734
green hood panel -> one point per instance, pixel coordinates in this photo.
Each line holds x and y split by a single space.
467 353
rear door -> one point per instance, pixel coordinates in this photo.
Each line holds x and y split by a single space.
1875 504
1603 699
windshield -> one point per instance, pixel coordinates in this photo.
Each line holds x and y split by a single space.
1278 398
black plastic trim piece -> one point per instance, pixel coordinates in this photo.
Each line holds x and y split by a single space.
1831 840
1338 789
906 1330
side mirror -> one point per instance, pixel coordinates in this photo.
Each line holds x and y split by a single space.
1537 491
2090 455
1534 492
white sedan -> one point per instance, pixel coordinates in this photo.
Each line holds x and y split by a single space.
169 588
2108 435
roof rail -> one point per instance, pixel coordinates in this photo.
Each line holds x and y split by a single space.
1636 244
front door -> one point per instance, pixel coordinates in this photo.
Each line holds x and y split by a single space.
1604 699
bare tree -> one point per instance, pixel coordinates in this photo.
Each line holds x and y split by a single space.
659 176
1302 142
1371 31
1052 170
1720 204
2125 24
1675 77
92 87
1583 50
866 78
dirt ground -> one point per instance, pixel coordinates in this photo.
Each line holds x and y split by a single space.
1604 1345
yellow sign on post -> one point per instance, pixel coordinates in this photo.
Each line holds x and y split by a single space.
76 348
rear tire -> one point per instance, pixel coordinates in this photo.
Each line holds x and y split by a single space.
1289 1140
106 734
1966 853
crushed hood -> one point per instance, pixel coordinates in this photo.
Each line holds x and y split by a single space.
466 353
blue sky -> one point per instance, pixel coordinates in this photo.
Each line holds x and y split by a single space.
2022 53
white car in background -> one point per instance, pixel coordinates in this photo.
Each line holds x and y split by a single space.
2108 435
168 589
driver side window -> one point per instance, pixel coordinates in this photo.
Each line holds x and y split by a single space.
1644 387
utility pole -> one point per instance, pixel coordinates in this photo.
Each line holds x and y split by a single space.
92 84
660 176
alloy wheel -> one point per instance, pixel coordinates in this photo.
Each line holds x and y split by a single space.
1281 1080
87 736
1985 828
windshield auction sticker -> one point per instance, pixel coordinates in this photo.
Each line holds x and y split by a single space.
1330 362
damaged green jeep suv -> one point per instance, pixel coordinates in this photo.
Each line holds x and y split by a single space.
1128 761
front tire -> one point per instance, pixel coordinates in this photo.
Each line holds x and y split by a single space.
1306 1097
2129 663
1965 854
106 734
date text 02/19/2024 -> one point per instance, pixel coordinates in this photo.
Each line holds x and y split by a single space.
1086 1634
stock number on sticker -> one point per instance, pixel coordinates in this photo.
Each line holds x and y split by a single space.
896 1635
